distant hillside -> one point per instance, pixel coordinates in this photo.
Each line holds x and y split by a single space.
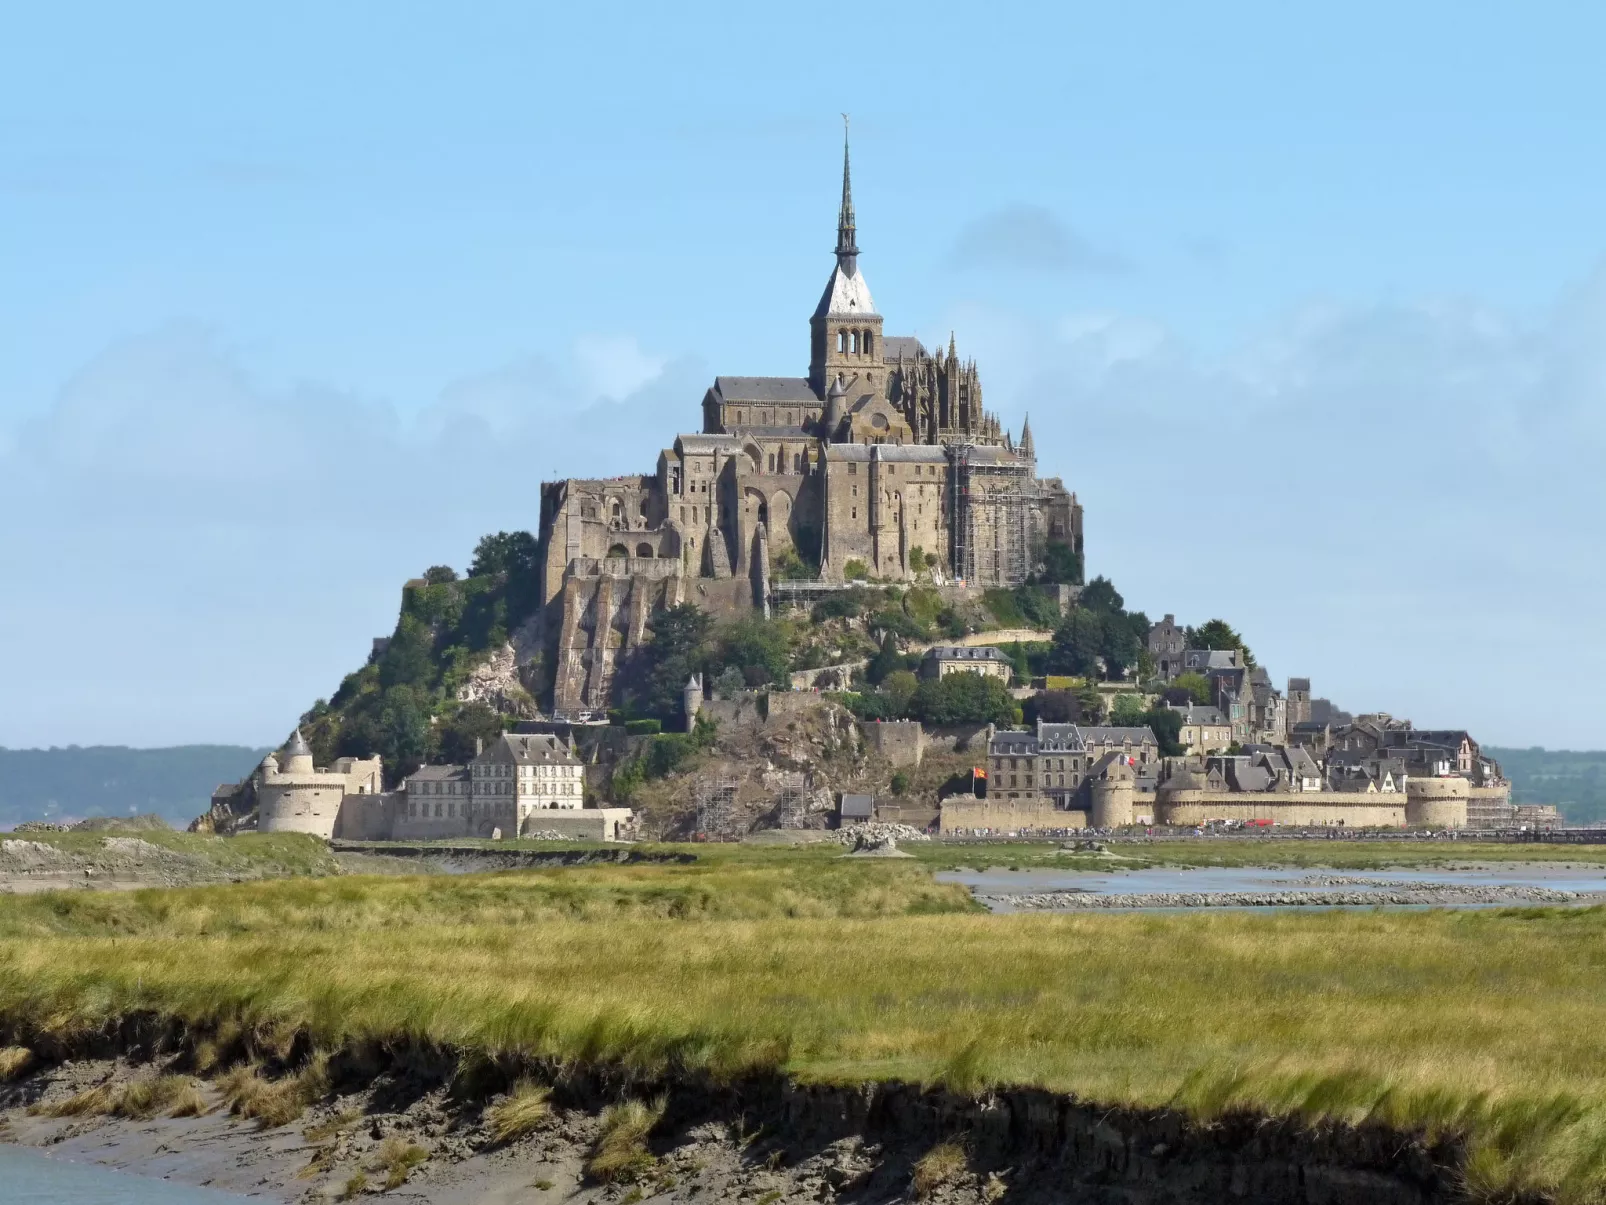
112 780
1574 782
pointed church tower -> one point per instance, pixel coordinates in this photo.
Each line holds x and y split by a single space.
845 331
1028 450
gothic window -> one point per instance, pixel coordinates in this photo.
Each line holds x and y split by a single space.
772 462
853 342
841 341
869 341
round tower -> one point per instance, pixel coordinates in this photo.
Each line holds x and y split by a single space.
1436 802
1112 802
835 407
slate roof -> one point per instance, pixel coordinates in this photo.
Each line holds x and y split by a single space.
1299 684
1194 714
438 773
766 389
906 346
858 807
528 749
955 652
1106 734
697 444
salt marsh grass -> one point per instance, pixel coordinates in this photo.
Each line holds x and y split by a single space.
1490 1024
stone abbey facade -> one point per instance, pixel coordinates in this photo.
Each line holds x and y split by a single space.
882 459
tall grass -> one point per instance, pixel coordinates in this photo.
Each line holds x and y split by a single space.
1488 1023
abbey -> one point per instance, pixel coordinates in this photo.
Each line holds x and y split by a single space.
881 462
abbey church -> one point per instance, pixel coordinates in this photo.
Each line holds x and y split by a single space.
882 462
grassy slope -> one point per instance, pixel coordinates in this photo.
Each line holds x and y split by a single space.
1492 1022
250 855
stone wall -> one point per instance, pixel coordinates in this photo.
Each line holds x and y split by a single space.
1305 808
901 742
585 824
964 815
371 817
960 738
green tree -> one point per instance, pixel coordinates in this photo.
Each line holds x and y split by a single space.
1167 728
856 571
1053 707
759 647
1077 644
474 722
1061 566
1219 634
1128 711
964 698
440 575
410 658
404 731
506 552
654 676
899 690
917 560
1100 594
1197 686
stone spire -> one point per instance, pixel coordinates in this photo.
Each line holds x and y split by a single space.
1027 449
847 246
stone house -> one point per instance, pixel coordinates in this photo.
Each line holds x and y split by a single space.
1167 642
1204 729
985 659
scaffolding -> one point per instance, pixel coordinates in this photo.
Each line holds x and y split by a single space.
791 801
1006 489
716 808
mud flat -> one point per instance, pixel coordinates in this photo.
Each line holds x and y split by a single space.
764 1138
1248 887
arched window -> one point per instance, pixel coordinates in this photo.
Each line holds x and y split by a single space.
842 341
853 342
644 550
772 462
869 341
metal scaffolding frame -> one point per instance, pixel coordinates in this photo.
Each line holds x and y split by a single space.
1012 502
791 801
716 808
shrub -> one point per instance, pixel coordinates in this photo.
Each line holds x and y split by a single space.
644 727
965 698
397 1158
941 1165
521 1113
900 782
14 1062
856 571
621 1151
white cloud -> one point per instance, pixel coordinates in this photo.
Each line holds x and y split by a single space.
1403 501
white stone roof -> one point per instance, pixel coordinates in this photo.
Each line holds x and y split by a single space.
845 294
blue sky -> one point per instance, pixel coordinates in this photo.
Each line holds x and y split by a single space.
1305 302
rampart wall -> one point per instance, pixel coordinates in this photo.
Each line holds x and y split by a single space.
1306 808
960 815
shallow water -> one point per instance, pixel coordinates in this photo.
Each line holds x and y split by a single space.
29 1178
997 881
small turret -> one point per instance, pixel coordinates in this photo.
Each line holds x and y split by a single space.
836 404
297 758
691 700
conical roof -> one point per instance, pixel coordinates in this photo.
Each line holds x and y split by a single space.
297 746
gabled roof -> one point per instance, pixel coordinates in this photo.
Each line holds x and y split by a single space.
905 346
766 389
1101 734
529 749
438 773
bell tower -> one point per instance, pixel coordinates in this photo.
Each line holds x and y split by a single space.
845 331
